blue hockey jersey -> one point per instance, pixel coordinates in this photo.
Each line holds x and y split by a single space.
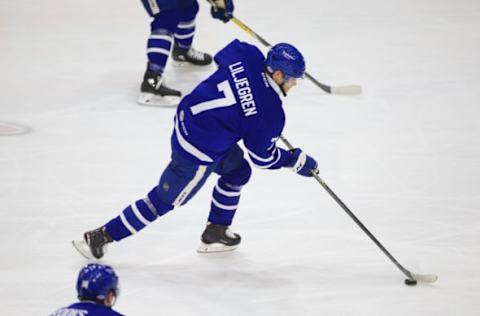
237 102
86 309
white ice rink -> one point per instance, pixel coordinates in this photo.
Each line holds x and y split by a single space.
404 156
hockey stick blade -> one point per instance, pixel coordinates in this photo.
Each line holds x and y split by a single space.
340 90
412 277
425 278
347 90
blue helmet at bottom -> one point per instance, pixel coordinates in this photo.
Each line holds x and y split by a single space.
287 59
95 281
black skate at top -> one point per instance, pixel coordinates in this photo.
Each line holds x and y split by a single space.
153 83
191 56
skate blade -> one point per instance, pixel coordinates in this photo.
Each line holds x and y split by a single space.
187 65
82 248
215 247
150 99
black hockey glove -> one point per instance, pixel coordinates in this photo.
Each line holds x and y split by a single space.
302 164
222 10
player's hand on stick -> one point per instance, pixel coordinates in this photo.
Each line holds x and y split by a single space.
302 163
222 9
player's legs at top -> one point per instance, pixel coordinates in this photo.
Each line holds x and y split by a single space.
153 89
183 52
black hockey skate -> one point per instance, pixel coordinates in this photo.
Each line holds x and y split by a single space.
93 244
218 238
155 92
190 57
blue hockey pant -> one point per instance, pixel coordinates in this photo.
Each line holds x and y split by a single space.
179 182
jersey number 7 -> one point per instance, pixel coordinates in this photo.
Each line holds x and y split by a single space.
228 99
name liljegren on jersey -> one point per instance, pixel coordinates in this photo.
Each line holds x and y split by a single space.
244 92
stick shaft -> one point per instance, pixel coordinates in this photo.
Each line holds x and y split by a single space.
352 216
244 27
250 32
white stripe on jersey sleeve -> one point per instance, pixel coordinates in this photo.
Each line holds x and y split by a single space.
256 157
268 161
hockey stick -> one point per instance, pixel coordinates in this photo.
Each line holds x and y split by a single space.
347 90
412 277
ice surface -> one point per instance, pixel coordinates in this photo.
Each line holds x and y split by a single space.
404 157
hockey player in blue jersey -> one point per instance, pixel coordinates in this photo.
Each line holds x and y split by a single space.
174 21
97 289
241 101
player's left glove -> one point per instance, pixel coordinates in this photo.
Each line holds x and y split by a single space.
222 10
302 163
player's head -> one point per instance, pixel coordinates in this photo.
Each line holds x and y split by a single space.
287 60
99 283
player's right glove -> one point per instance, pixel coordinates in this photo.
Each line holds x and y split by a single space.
222 10
301 163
